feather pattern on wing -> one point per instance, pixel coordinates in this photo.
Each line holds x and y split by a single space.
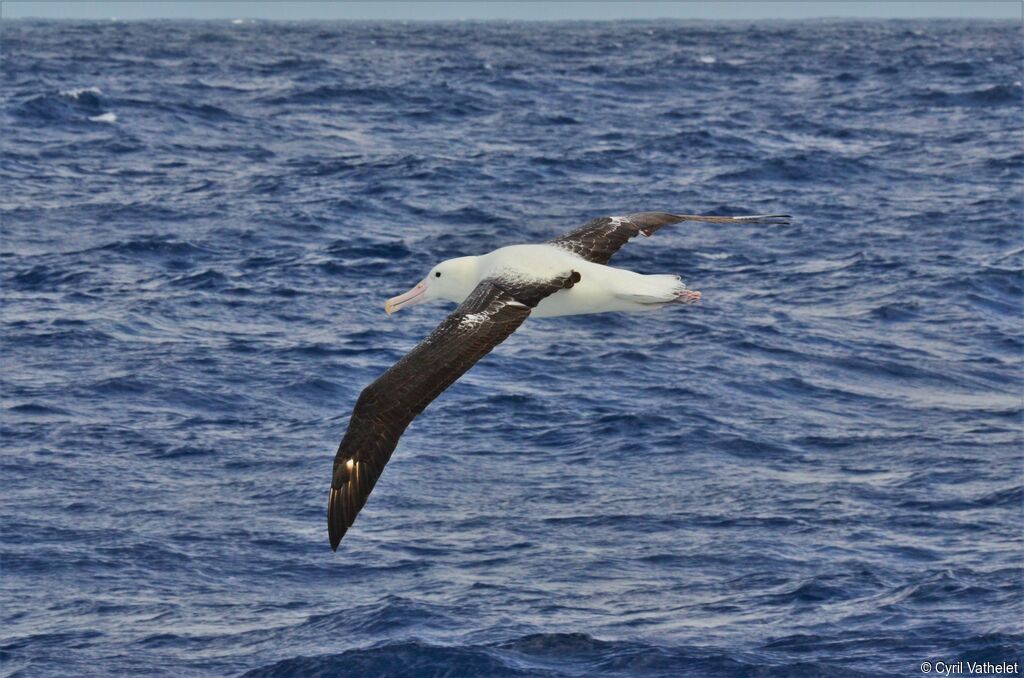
387 406
598 239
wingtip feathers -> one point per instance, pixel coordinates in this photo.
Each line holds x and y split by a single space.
768 219
782 219
335 523
649 222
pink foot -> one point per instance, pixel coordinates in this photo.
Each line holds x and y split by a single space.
688 297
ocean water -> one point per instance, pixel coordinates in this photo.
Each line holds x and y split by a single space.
816 471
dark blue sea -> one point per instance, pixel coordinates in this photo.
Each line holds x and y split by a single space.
816 471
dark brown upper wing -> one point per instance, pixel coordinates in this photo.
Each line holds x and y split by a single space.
598 239
387 406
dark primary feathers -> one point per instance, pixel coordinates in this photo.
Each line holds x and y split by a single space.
598 239
387 406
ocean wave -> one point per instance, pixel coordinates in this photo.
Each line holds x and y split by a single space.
92 93
996 95
69 106
47 277
154 246
542 654
107 117
806 167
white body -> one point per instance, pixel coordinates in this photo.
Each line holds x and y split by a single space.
600 289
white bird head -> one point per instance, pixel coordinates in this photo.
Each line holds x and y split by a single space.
451 280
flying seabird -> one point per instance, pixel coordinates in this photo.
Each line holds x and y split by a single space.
496 292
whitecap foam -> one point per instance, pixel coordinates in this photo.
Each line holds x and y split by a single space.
707 59
79 91
105 117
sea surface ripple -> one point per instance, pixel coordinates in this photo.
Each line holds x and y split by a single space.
816 471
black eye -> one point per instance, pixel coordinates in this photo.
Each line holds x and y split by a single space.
438 274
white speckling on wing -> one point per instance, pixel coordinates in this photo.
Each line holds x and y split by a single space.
473 319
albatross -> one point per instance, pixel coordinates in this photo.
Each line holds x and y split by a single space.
496 292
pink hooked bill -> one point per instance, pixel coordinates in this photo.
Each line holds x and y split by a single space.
414 296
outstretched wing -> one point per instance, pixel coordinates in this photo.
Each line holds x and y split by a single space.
598 239
387 406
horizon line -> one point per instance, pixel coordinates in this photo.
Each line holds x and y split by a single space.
508 11
503 20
